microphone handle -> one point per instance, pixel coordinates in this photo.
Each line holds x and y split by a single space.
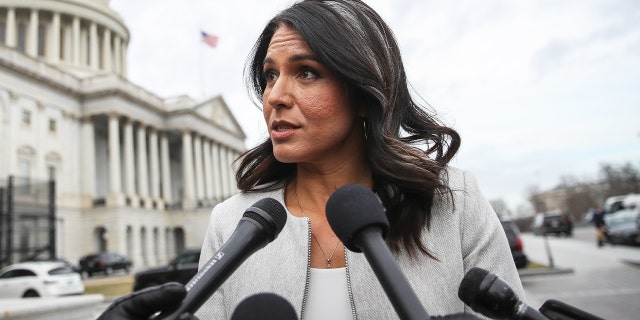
525 312
244 241
389 274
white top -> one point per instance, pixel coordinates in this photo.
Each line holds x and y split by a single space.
328 295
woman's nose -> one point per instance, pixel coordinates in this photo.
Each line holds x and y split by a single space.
279 94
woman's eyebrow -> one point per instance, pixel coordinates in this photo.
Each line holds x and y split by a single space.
294 58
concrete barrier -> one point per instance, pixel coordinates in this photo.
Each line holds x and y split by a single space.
84 307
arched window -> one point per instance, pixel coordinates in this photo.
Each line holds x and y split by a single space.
143 246
129 236
178 237
100 239
53 161
26 162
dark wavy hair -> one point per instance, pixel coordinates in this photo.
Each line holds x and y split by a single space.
407 148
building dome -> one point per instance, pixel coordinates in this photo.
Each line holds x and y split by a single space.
84 37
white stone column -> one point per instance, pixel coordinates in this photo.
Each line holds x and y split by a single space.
10 36
143 169
129 164
93 46
208 177
53 43
154 161
32 34
166 170
106 50
115 197
217 173
188 198
197 155
75 30
88 161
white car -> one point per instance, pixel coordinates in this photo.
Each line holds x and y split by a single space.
39 279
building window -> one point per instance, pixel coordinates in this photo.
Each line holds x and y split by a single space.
52 126
24 168
53 161
23 180
51 171
26 157
26 117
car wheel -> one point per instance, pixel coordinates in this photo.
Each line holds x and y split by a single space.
31 294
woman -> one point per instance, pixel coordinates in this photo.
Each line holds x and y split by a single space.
338 110
337 106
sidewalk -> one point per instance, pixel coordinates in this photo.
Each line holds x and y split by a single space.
543 271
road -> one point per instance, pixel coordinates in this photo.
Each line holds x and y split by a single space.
605 281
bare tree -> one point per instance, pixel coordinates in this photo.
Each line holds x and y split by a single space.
533 194
622 179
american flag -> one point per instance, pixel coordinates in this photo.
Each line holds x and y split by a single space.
209 39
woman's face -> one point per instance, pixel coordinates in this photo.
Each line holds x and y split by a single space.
305 105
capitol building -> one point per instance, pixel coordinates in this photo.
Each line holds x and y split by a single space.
134 173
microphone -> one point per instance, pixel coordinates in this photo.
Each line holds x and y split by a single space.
558 310
260 224
491 296
264 306
357 217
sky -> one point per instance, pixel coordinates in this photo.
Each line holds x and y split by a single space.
537 89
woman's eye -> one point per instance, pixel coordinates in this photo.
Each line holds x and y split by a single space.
269 75
308 74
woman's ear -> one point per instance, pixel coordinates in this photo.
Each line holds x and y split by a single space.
361 111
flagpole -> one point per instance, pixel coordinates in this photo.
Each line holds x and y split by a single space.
201 67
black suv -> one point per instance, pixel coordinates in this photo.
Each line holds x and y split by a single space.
104 262
547 223
513 236
181 269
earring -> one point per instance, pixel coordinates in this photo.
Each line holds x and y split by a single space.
364 127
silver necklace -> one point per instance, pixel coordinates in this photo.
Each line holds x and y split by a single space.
295 189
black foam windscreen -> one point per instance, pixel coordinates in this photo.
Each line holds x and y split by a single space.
352 208
264 306
470 286
269 213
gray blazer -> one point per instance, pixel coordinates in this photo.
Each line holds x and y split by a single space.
463 236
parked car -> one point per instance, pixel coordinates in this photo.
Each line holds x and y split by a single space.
550 223
515 242
39 279
68 263
181 269
104 262
623 227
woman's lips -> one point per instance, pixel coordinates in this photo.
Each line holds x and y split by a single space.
281 130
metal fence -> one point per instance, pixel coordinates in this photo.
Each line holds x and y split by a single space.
27 220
